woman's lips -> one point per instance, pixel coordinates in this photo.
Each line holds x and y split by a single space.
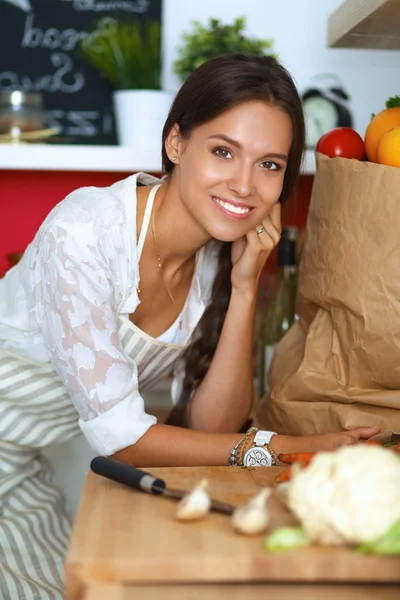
233 210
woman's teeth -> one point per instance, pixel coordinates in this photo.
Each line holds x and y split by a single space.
239 210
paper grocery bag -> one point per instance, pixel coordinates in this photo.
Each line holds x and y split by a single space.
338 367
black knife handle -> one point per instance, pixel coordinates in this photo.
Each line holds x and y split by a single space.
123 473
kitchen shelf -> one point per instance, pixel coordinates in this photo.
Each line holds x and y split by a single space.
368 24
47 157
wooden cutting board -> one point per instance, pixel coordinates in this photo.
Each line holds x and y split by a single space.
122 535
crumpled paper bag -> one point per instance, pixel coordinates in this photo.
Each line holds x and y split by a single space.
338 367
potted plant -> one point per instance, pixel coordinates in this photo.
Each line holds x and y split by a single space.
206 42
128 54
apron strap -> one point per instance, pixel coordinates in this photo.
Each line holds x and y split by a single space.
146 219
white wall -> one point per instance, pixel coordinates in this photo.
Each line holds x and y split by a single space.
299 28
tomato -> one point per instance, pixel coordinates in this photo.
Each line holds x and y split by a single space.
342 141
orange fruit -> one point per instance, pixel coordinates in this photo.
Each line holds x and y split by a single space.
389 148
379 125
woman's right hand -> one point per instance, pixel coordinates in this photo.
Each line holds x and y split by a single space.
321 441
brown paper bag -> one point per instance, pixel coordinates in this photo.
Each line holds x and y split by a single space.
338 367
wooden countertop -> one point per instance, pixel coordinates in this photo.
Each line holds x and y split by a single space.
125 543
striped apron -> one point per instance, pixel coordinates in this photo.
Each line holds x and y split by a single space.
35 411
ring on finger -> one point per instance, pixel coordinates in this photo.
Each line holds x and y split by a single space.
260 230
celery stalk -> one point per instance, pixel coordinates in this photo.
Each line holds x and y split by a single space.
286 538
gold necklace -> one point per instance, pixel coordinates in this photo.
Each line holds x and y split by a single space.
153 223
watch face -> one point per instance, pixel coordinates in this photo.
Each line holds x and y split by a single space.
257 457
321 116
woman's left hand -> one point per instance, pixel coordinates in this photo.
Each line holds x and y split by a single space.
250 252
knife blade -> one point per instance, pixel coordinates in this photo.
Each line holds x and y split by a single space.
145 482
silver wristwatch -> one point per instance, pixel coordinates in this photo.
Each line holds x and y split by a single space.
261 454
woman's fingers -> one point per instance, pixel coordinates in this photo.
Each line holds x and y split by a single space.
362 433
270 228
270 231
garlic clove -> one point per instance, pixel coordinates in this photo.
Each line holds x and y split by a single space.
282 491
195 504
253 516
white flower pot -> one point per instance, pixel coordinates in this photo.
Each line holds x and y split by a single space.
139 119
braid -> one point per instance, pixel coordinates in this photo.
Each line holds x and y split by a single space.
201 352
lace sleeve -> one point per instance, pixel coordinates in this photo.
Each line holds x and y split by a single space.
77 312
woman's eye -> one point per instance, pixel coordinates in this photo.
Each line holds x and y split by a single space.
271 166
222 152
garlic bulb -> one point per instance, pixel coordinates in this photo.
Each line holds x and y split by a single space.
252 517
195 504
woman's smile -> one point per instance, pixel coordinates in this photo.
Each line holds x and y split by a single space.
233 209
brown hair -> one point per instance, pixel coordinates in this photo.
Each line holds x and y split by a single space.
216 86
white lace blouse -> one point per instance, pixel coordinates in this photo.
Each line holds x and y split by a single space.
60 304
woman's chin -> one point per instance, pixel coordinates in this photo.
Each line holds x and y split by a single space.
223 235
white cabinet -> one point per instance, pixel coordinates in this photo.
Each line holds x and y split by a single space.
369 24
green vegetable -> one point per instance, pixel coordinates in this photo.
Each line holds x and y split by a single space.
286 538
393 102
388 544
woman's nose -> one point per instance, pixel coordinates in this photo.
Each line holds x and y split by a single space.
241 182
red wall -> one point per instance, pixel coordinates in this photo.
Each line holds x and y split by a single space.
26 197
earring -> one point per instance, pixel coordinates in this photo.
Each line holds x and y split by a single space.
173 158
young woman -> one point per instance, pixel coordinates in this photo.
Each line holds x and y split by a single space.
123 284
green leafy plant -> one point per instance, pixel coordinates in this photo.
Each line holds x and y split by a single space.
206 42
127 54
393 102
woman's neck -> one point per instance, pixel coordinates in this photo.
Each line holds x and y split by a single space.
179 236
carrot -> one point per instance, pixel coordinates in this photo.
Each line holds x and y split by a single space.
286 475
372 442
293 457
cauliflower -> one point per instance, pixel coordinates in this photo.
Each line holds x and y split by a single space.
351 495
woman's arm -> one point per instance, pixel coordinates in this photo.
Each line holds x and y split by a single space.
77 307
166 446
224 399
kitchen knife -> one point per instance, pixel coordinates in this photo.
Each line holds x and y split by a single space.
145 482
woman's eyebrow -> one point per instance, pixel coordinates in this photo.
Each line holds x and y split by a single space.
225 138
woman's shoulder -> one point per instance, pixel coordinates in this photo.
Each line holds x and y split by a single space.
101 206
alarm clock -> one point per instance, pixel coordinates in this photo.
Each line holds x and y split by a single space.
326 106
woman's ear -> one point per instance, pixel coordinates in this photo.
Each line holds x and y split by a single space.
174 144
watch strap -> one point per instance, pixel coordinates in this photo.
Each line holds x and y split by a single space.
263 437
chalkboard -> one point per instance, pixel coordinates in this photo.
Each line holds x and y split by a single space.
39 52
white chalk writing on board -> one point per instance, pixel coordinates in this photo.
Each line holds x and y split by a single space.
46 38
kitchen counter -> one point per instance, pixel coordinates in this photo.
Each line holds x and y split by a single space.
126 544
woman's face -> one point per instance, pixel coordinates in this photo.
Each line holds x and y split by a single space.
231 169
